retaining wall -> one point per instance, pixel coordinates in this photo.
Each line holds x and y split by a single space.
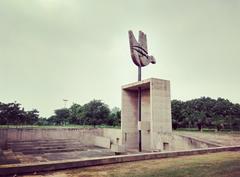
171 142
179 142
84 135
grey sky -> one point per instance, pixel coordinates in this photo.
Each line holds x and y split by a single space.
78 50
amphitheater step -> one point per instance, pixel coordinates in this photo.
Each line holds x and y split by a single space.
20 149
39 151
24 146
47 146
43 141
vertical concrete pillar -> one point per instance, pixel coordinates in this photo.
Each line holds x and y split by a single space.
161 120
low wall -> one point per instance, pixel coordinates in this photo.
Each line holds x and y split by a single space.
174 142
191 143
102 142
84 135
114 135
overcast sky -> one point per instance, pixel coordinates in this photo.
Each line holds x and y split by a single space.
52 50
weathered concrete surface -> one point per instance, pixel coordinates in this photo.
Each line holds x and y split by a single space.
180 142
115 135
50 150
48 166
102 141
84 135
118 148
220 138
103 137
155 113
108 138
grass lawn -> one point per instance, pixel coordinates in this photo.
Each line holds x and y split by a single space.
224 164
58 126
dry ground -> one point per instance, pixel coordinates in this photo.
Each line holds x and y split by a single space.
224 164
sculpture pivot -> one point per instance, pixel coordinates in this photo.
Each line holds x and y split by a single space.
139 51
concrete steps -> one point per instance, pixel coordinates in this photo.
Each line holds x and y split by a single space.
49 144
8 157
37 151
48 149
46 146
42 142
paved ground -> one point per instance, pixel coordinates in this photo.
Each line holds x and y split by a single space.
44 151
225 139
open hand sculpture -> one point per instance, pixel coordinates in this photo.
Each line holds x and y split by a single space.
139 51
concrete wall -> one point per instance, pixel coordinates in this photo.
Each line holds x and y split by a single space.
129 121
146 118
173 142
106 137
84 135
114 135
102 141
161 120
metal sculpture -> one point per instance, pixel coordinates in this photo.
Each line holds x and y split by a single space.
139 51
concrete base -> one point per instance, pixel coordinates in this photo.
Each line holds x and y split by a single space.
155 114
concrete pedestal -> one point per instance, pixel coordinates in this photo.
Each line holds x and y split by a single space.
156 114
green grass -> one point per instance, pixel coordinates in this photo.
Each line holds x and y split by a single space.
207 130
224 164
57 126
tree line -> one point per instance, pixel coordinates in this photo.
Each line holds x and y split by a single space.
206 112
203 112
93 113
14 114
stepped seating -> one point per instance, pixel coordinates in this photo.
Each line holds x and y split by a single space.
46 146
49 150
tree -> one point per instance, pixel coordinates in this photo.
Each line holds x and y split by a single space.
199 119
52 120
43 121
31 117
76 114
95 113
115 117
177 116
206 112
218 122
14 114
62 116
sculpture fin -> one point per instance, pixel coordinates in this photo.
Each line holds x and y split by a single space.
142 39
132 39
